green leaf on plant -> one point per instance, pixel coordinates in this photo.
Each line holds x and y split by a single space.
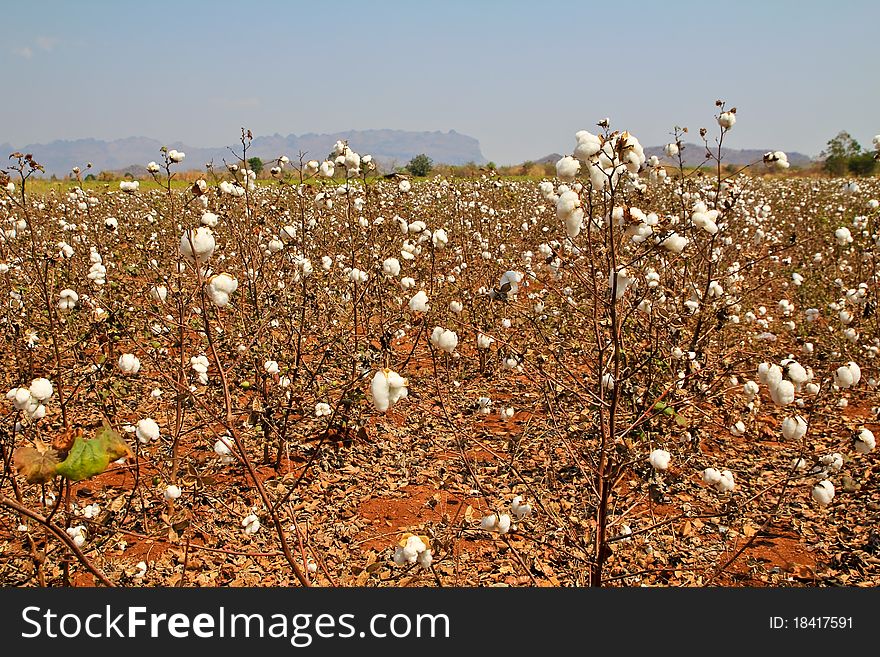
88 458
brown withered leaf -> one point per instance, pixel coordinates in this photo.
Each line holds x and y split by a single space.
35 466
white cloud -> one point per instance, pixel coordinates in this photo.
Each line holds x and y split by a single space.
46 43
27 52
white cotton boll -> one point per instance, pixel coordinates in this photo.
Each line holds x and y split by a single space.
251 524
807 348
271 367
726 483
519 509
129 364
408 283
159 293
503 525
608 381
567 169
738 429
671 150
147 431
659 459
327 169
845 317
425 559
505 413
811 389
865 441
833 462
620 285
387 387
196 247
176 156
444 339
439 239
587 145
711 476
843 377
675 243
391 266
78 534
797 373
455 307
843 236
727 119
489 522
782 393
322 409
855 371
404 186
41 389
750 389
419 302
513 278
68 299
220 288
823 492
794 428
209 219
484 341
171 493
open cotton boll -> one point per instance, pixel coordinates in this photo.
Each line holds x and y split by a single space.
726 482
797 373
782 393
444 339
196 247
619 281
67 299
567 169
489 522
391 266
171 493
671 150
659 459
147 430
865 441
176 156
727 119
568 210
327 169
41 389
404 186
675 243
843 236
750 389
776 160
419 302
794 428
78 534
833 462
220 288
738 429
519 509
455 307
711 476
484 341
823 492
439 239
209 219
129 364
387 387
513 278
251 524
843 377
587 145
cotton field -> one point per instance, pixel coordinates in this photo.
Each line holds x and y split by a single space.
630 374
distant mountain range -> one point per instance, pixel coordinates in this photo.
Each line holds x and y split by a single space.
694 155
388 147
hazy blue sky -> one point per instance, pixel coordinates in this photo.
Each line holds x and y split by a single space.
522 77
